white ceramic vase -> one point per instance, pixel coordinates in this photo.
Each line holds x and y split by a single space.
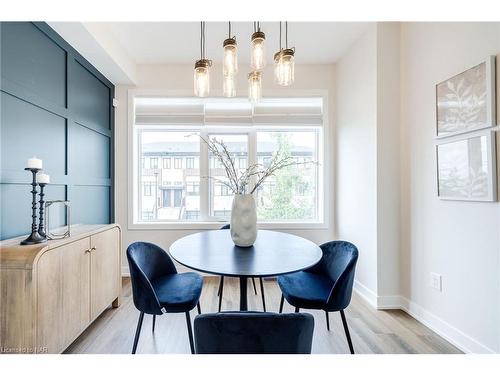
243 220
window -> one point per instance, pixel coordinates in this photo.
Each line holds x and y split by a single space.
167 163
220 198
291 194
154 163
242 163
178 163
148 189
172 200
194 187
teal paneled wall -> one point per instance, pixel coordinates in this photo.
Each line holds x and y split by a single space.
56 106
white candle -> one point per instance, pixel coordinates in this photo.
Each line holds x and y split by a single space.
35 163
43 178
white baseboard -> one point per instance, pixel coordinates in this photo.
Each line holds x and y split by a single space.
125 271
366 293
458 338
452 334
389 302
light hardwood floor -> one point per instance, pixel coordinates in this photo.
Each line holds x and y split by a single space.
372 331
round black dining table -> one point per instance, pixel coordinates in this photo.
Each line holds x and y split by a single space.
273 254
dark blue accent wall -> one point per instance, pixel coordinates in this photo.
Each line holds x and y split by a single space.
56 106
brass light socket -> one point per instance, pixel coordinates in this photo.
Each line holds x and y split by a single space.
203 63
258 35
229 42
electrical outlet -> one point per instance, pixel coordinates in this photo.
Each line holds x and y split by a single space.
436 281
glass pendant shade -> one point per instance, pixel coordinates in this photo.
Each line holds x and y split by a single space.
255 86
229 86
230 59
202 78
258 57
284 67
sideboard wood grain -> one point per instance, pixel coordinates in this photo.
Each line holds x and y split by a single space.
50 293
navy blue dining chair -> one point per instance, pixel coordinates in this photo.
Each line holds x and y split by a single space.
253 333
157 288
221 283
325 286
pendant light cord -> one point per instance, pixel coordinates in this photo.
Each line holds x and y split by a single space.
280 36
229 37
286 34
256 26
202 40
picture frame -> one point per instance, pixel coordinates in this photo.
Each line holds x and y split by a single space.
466 101
466 167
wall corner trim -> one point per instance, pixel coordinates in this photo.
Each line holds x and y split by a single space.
125 271
366 293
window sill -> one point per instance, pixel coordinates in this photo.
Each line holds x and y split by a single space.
217 224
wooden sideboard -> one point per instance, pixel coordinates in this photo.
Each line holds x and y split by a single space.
51 292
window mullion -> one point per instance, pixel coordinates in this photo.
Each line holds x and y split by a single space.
139 185
252 153
204 183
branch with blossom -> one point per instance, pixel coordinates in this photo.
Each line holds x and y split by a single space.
239 181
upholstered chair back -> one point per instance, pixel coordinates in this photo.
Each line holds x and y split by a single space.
338 263
253 333
146 262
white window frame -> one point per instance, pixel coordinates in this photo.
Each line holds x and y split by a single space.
324 178
168 161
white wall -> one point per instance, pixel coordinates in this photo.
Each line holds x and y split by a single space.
180 77
388 166
356 156
385 198
459 240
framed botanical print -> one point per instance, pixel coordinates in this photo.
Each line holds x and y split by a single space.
466 101
467 167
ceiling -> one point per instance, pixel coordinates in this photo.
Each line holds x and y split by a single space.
178 42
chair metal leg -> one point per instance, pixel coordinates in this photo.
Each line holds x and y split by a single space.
346 329
190 332
199 307
281 303
137 332
254 288
221 282
221 290
296 309
262 292
154 322
327 321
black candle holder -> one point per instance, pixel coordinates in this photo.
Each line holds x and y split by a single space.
41 228
34 237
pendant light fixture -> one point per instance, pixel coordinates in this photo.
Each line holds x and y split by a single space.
228 86
258 55
255 86
230 61
229 65
284 62
202 69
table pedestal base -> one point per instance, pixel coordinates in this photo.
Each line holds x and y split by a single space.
243 293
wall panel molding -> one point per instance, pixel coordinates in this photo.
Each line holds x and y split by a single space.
45 80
